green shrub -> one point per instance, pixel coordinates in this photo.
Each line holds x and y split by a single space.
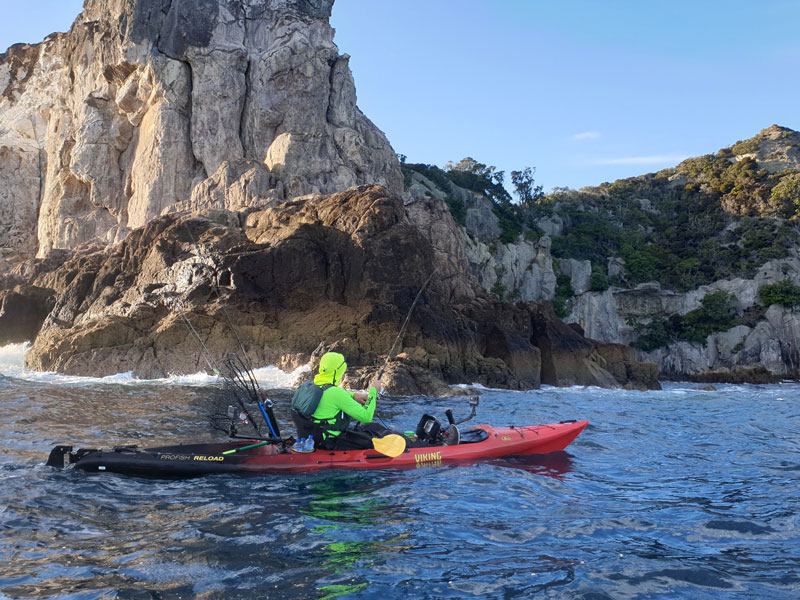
563 293
533 234
457 210
591 236
598 282
784 293
499 289
745 147
472 175
511 230
716 313
640 263
659 332
785 196
560 307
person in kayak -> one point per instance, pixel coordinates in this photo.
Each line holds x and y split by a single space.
324 409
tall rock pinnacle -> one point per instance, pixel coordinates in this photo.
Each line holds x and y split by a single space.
147 106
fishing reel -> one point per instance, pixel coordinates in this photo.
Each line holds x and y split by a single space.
430 430
236 418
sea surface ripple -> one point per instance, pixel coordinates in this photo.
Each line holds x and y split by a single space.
679 493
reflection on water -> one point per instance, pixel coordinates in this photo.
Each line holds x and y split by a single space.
554 464
341 498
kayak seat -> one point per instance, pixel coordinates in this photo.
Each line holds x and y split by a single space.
473 436
451 436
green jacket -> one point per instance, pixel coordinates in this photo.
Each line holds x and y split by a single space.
337 404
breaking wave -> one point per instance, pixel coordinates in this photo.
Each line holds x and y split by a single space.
12 361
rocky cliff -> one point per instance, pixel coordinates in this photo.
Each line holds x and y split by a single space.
522 269
752 190
653 247
173 164
341 269
762 347
147 106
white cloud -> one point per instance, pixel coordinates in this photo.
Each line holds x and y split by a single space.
586 135
642 160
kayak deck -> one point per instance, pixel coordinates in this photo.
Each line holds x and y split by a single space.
202 459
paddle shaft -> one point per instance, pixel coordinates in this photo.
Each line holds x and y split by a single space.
248 447
391 445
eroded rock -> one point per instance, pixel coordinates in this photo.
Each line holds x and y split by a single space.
343 268
23 309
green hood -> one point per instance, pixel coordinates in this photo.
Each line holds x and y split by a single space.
331 369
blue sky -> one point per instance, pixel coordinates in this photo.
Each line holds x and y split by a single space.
584 91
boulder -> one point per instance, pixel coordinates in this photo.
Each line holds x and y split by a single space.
579 273
570 359
755 374
481 220
23 309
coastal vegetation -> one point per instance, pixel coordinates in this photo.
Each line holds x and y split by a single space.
700 222
710 218
716 313
485 180
784 293
564 291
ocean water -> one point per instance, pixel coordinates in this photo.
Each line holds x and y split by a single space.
680 493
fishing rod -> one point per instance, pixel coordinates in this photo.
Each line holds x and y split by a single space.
405 324
210 359
212 364
249 386
400 335
207 356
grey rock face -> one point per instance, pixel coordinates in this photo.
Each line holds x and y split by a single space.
553 225
777 149
147 106
771 342
481 221
579 272
524 269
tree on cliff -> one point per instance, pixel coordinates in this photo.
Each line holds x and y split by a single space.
527 192
478 177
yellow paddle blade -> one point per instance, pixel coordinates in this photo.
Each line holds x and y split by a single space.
391 445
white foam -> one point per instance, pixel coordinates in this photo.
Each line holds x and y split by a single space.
13 355
273 377
118 379
476 386
12 360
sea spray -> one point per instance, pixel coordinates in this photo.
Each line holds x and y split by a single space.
12 361
13 355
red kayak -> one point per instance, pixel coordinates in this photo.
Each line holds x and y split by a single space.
478 443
